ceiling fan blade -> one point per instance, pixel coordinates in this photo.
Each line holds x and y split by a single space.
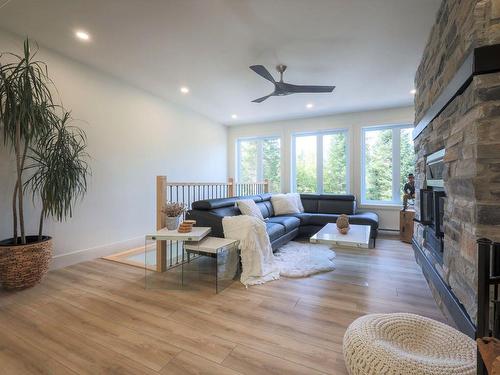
260 100
263 72
307 89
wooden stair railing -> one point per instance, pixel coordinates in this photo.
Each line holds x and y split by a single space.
187 193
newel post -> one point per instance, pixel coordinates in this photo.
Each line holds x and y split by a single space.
230 187
161 199
266 186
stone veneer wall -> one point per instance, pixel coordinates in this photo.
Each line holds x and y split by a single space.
469 130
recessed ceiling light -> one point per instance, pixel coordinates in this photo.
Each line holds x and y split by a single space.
309 105
82 35
234 116
413 92
184 89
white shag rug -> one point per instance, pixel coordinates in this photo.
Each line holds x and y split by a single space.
299 259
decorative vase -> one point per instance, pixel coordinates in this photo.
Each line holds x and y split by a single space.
23 266
172 222
343 224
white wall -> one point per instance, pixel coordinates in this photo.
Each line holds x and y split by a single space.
132 137
389 216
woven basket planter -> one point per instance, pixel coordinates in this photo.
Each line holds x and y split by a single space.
23 266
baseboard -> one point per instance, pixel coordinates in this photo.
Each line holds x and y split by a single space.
64 260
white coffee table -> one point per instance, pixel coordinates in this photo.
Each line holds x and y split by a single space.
358 236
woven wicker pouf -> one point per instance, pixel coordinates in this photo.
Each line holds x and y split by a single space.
407 344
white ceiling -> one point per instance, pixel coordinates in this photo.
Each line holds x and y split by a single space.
369 49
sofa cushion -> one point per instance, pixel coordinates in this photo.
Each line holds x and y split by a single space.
289 222
329 203
365 218
310 202
284 204
210 204
336 206
249 207
304 218
322 219
275 230
298 201
267 207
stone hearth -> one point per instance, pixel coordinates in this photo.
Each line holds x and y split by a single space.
469 131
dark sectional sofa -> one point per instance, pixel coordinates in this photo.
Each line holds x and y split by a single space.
319 209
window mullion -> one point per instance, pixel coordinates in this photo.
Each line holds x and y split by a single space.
363 165
347 162
319 163
396 164
238 160
260 163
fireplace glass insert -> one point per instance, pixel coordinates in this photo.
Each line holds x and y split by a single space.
431 216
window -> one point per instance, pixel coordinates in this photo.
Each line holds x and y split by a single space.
388 158
320 162
260 159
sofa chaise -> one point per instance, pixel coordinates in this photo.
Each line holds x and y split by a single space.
319 210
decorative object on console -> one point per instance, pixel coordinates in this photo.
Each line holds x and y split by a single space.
173 212
250 208
57 162
343 224
186 226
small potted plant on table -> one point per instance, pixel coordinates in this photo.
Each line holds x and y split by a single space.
173 212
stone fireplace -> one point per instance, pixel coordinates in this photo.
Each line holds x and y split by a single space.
457 109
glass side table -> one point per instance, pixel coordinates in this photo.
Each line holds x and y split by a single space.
163 267
226 265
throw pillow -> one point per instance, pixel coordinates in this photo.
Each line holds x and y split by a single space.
284 204
298 200
250 208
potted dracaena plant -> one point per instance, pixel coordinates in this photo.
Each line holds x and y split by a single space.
50 160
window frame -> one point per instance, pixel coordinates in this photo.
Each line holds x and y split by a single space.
260 156
396 164
319 134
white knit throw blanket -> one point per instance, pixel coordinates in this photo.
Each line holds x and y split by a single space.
257 256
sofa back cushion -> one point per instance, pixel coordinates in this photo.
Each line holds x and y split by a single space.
310 202
329 204
227 206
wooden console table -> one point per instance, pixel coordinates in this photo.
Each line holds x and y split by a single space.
406 225
489 348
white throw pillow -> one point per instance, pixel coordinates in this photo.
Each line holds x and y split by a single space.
284 204
249 207
300 206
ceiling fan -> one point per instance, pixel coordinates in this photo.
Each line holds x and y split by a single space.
282 88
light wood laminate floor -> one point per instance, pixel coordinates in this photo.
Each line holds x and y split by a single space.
97 318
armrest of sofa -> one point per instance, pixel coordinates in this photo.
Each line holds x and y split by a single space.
207 219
